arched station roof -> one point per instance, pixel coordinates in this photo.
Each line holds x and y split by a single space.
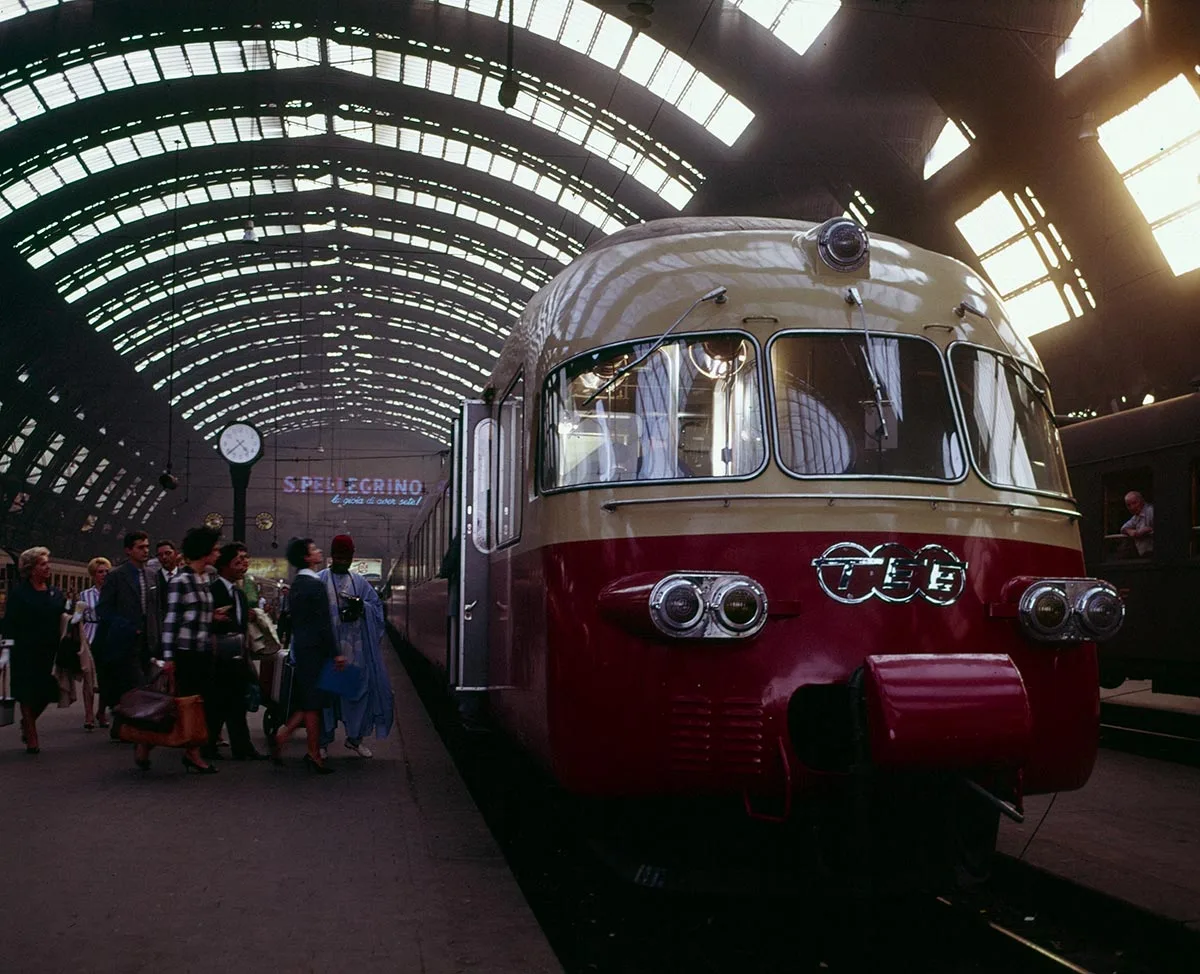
309 213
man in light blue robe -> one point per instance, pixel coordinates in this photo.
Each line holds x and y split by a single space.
359 629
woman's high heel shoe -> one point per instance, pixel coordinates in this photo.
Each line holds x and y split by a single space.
143 763
316 766
190 766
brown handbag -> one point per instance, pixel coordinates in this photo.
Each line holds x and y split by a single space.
189 730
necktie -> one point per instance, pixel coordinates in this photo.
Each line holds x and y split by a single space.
142 589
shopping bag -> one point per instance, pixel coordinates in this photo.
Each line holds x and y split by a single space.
189 729
343 682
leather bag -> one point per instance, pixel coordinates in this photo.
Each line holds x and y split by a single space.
148 709
188 730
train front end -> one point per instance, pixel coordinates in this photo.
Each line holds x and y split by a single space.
812 544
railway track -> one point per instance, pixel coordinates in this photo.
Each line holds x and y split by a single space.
1164 734
600 923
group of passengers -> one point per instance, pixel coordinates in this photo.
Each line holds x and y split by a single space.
182 622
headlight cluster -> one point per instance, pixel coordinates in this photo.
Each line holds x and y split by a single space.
708 606
1055 610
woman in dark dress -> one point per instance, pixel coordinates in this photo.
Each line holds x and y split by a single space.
313 646
33 620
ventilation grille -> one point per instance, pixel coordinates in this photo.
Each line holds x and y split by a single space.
722 736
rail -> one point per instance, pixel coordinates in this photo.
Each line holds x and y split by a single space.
933 501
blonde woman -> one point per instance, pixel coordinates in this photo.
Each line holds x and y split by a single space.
85 616
33 621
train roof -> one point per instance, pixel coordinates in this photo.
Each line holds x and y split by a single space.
636 282
1145 429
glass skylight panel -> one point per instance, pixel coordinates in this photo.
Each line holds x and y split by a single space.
859 209
152 207
91 480
15 443
950 144
1012 237
70 469
108 488
606 39
797 23
10 9
1155 146
1099 22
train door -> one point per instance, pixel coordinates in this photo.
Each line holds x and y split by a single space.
468 596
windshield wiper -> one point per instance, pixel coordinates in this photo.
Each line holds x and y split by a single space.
717 294
853 297
1039 393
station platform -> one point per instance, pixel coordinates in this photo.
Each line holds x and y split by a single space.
1133 833
385 866
1137 693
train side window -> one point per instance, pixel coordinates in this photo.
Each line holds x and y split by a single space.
1128 514
510 464
481 485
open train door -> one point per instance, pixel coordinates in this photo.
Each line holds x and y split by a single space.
468 644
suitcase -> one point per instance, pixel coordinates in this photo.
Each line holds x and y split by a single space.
275 681
8 706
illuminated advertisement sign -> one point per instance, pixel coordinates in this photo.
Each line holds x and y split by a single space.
366 491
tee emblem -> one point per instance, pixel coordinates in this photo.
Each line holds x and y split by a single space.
850 573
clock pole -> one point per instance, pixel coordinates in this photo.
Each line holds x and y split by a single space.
241 445
240 474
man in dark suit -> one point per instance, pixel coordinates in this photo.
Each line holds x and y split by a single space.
232 669
127 633
165 561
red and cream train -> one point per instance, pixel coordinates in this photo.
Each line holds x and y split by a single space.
770 512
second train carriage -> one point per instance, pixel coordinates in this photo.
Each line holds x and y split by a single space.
1154 450
757 508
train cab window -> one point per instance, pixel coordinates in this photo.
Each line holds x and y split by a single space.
688 408
1010 423
1128 514
510 464
844 410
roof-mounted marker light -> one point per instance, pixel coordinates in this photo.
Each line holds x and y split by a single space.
842 244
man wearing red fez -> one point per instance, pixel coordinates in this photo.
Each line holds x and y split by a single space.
359 630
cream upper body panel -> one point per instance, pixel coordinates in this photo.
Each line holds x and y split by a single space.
636 283
639 281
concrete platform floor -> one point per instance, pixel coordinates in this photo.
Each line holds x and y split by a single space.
384 866
1132 832
1137 693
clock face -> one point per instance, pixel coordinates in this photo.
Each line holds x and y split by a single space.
264 521
214 521
240 443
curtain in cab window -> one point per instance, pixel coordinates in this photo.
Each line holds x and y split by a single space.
846 410
1009 422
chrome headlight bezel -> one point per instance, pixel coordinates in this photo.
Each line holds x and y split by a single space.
1092 595
1075 595
711 622
659 595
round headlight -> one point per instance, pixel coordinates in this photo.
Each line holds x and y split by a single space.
1045 611
1101 612
676 604
842 244
739 605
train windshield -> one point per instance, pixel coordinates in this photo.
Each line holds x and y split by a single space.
692 408
1009 421
842 414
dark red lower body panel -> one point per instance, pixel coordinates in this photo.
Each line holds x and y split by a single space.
617 712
